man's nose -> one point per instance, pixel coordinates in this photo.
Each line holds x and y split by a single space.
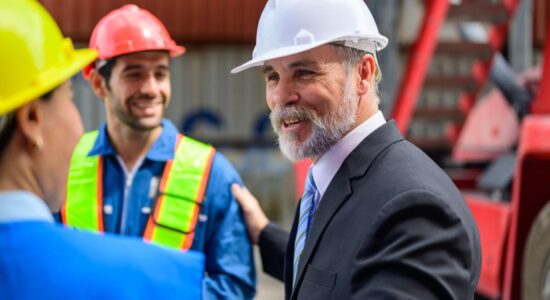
150 86
285 93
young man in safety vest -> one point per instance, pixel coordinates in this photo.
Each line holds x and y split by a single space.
138 176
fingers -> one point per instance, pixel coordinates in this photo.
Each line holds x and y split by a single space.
246 200
237 191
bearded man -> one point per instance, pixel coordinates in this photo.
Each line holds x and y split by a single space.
378 219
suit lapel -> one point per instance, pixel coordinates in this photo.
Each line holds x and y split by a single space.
289 256
338 191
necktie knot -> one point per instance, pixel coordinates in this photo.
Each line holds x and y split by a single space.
310 187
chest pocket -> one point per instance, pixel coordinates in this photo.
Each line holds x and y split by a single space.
318 283
319 276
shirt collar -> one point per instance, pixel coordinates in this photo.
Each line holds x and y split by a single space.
162 149
329 163
22 206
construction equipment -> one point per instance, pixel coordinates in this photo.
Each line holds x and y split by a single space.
504 188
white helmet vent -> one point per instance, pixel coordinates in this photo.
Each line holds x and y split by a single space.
304 37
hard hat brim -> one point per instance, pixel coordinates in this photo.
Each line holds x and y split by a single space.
55 77
173 51
381 43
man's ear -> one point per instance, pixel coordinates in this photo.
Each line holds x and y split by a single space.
30 122
97 83
367 72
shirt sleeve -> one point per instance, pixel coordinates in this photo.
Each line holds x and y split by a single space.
273 242
230 271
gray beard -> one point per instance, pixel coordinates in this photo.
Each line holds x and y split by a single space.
326 130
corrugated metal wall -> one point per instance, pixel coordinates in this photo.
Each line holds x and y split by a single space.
197 21
202 81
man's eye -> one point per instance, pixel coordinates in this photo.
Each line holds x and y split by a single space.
133 75
161 75
272 77
303 73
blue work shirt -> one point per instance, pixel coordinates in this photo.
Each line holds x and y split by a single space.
220 231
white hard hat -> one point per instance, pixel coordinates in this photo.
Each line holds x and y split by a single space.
288 27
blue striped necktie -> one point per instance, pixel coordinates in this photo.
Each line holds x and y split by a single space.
307 206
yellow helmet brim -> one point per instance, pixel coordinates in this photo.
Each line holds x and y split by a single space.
51 79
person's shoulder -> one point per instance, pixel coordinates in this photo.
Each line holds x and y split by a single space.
222 176
113 261
107 248
100 244
222 169
220 165
408 166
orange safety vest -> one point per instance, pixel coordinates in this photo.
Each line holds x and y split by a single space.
176 210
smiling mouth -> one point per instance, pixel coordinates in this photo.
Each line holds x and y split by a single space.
290 122
145 104
145 108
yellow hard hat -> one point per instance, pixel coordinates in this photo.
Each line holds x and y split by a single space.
34 56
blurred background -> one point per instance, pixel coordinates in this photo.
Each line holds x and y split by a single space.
435 69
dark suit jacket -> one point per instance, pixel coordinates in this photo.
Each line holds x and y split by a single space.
391 225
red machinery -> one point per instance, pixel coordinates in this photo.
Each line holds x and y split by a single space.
515 232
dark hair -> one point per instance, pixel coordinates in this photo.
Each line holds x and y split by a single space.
106 70
7 128
47 96
350 57
8 123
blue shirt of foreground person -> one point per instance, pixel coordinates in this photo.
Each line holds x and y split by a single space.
39 259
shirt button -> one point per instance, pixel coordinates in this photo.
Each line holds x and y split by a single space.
146 210
108 209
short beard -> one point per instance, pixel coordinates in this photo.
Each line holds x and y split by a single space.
326 130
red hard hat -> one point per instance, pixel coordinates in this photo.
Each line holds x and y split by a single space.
130 29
